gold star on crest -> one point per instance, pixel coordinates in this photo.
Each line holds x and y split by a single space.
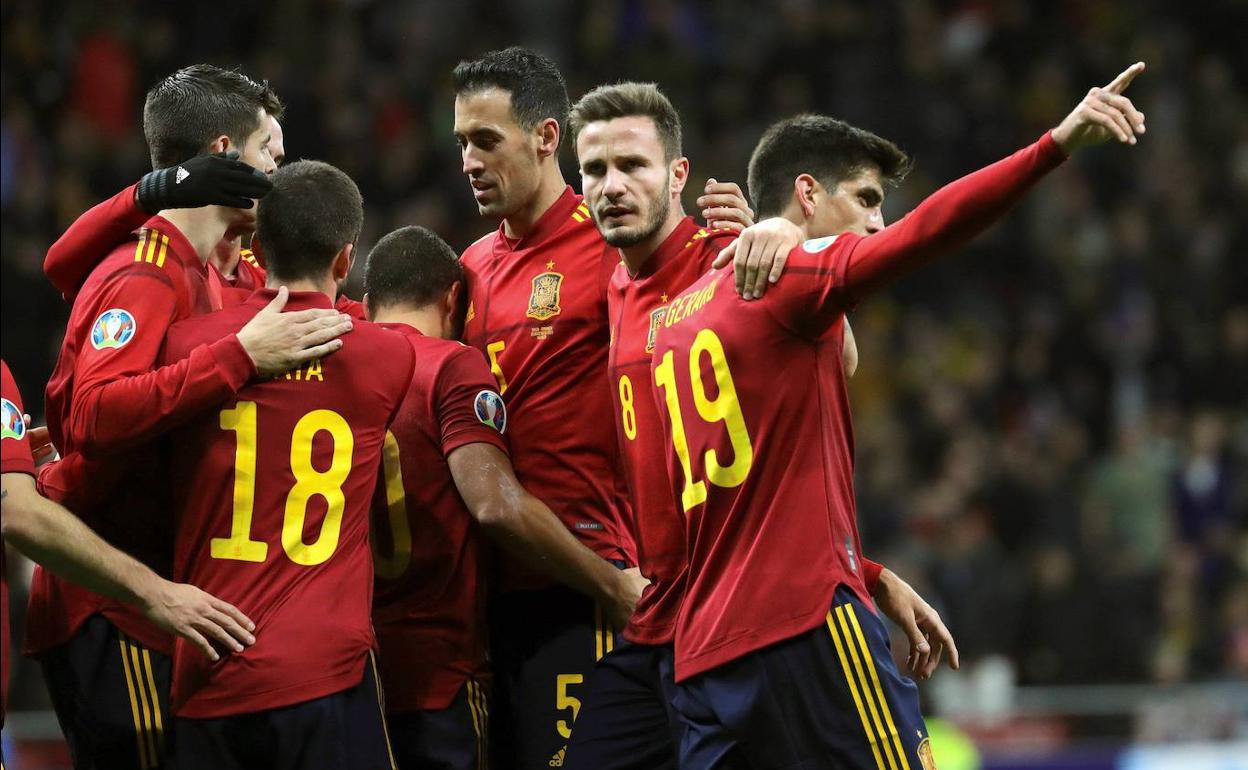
663 298
550 265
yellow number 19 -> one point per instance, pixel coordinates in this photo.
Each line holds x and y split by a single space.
723 408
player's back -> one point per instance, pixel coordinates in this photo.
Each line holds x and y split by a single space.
760 455
273 495
429 605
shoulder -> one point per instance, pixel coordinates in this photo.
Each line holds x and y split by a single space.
479 249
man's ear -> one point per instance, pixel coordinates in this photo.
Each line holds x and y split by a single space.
454 299
368 311
222 144
804 192
343 262
548 136
679 175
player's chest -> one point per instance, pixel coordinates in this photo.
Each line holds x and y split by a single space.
537 296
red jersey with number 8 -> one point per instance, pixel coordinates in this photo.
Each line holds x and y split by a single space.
273 492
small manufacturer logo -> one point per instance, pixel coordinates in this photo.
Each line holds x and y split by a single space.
180 175
557 759
113 329
816 245
12 424
853 560
491 410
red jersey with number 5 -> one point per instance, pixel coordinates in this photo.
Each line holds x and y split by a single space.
273 492
429 605
637 303
538 311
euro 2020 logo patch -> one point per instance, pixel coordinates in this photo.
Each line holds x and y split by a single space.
12 424
113 329
491 410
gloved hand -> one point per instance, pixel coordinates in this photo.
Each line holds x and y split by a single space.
205 180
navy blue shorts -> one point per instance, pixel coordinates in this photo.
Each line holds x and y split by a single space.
453 738
828 698
627 721
343 731
111 697
543 647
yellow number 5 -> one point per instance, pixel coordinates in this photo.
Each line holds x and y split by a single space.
565 701
494 348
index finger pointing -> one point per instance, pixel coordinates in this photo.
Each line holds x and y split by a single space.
1121 82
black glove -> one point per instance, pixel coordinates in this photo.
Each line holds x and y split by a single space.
205 180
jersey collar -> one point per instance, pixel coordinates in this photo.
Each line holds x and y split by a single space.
298 300
671 246
546 225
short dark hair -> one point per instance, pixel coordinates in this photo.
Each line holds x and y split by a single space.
828 149
312 211
537 88
187 110
410 266
626 100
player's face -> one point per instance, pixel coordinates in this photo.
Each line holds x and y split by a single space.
256 151
853 207
277 142
500 158
626 178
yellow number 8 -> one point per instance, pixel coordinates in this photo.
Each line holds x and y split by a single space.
628 413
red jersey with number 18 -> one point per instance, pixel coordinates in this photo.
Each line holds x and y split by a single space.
430 598
538 311
273 514
758 423
637 303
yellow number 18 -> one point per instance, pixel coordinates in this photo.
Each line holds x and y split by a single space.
309 483
723 408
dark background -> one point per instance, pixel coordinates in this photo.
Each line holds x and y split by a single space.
1052 431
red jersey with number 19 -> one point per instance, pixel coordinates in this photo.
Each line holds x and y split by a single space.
758 423
430 599
538 311
273 514
637 303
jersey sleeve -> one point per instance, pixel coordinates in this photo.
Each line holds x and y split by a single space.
351 307
90 239
849 267
120 397
14 436
871 573
469 408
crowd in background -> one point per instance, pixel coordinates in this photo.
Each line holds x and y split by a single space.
1052 426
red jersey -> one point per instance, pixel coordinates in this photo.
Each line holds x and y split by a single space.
107 402
429 601
15 457
283 475
757 418
537 309
71 259
636 304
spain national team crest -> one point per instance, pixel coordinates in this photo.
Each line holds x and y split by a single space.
491 410
656 318
12 424
544 301
113 329
926 758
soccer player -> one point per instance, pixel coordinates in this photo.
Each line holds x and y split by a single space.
284 473
537 310
781 661
52 536
628 143
446 472
107 402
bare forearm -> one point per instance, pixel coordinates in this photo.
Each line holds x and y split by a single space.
57 539
529 531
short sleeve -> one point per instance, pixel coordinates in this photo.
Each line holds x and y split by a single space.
14 436
811 294
468 404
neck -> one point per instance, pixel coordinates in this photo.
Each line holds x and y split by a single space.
427 320
521 222
636 257
225 254
325 285
204 227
